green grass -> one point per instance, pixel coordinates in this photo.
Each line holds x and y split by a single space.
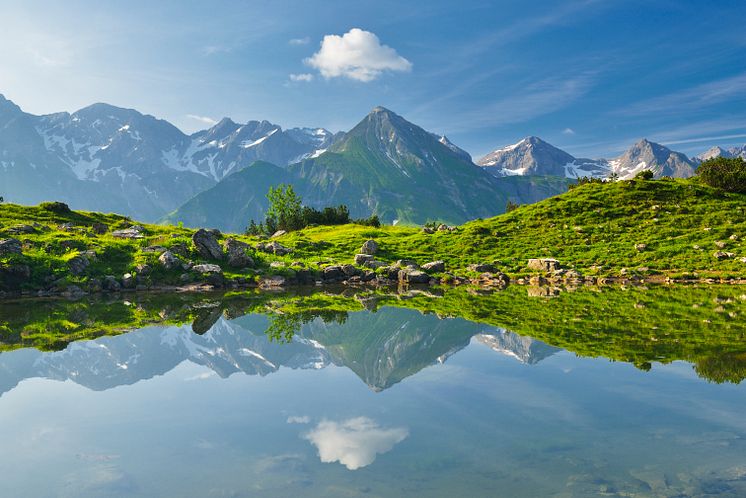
593 228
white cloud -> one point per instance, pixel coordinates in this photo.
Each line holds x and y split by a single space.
299 41
355 442
306 77
203 119
357 55
299 420
568 131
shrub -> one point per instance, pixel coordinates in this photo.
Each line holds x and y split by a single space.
55 207
725 173
511 206
645 174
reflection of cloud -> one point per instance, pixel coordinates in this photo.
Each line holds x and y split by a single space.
299 420
355 442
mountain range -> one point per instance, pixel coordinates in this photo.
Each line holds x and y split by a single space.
533 156
111 159
382 348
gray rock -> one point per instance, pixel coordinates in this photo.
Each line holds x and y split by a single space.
720 244
640 247
722 255
369 247
273 247
10 246
543 264
157 249
185 277
21 229
374 264
333 273
206 244
133 232
238 254
73 291
99 228
361 259
207 268
78 265
272 282
128 281
483 268
434 266
169 260
350 271
110 283
278 233
413 276
143 269
406 263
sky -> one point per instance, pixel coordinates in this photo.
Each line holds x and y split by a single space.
589 76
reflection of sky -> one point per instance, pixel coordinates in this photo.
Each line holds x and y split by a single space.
479 422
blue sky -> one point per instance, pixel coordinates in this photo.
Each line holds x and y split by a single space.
588 76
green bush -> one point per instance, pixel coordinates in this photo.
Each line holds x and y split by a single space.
728 174
645 174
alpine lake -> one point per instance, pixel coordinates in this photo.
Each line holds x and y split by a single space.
525 392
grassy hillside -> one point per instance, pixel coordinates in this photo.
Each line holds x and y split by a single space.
676 225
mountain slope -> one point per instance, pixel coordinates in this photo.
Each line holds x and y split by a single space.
661 160
721 152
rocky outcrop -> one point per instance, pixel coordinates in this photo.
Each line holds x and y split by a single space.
206 244
10 246
78 265
237 253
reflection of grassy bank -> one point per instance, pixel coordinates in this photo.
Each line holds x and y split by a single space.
703 325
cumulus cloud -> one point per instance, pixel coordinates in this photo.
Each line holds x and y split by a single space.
358 55
305 77
355 442
300 41
202 119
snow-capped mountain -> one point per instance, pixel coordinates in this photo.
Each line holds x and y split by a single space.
108 158
721 152
524 349
533 156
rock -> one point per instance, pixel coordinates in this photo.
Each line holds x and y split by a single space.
10 246
180 249
99 228
206 244
78 265
444 228
238 255
73 291
720 244
273 247
369 247
277 264
278 233
410 276
169 260
333 273
158 249
185 278
133 232
373 264
207 268
89 254
350 271
427 230
12 276
21 229
722 255
143 269
110 283
435 266
272 282
543 264
368 276
498 279
733 237
361 259
640 247
407 263
482 268
128 281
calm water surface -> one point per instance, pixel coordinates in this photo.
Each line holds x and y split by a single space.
391 403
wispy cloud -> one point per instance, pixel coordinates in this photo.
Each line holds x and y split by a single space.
568 131
304 77
697 97
300 41
357 55
203 119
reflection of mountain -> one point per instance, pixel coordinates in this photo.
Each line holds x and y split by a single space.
523 349
382 348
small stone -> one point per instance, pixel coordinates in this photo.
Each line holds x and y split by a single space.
722 255
435 266
369 247
361 259
720 244
128 281
640 247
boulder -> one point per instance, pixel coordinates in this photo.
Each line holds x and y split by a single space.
128 281
78 265
278 233
722 255
155 249
407 263
133 232
237 253
720 244
434 266
10 246
143 269
369 247
12 276
206 244
361 259
212 274
333 273
273 247
373 264
482 268
543 264
410 276
169 260
207 268
428 230
21 229
110 283
99 228
350 271
274 281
